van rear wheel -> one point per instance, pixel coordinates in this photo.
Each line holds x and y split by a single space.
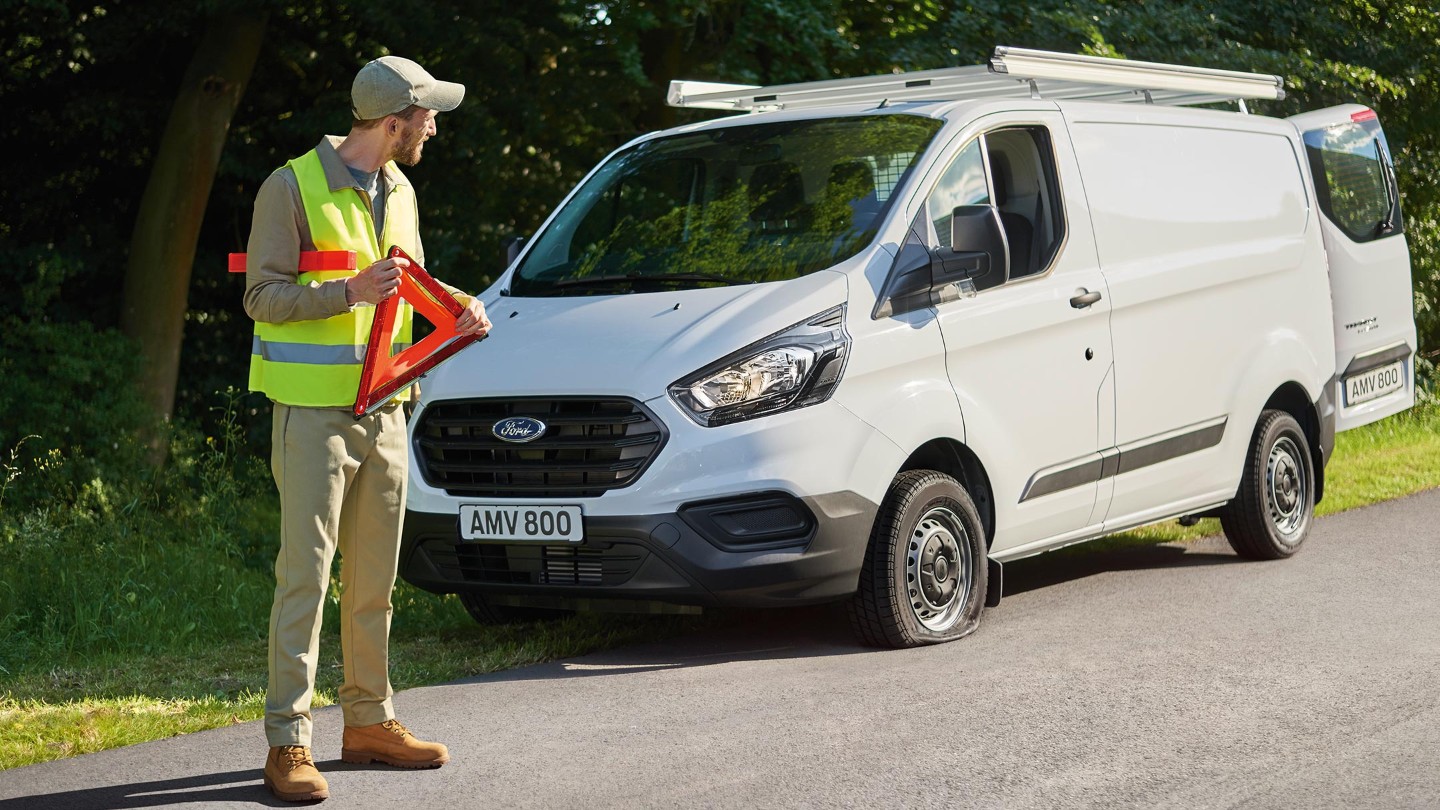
1271 514
925 570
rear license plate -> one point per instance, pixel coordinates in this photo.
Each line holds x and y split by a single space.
493 521
1374 383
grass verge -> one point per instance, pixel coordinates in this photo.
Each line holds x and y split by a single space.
119 699
90 670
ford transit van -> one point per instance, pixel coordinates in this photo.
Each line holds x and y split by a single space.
870 339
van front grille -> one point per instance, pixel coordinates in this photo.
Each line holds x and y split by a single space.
535 564
590 446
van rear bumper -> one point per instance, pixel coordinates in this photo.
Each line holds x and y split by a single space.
757 550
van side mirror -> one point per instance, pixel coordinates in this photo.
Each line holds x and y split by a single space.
978 249
513 246
924 277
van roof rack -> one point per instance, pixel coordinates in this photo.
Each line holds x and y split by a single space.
1012 73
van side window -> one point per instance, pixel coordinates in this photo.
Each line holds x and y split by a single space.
1022 174
1354 183
1020 182
963 183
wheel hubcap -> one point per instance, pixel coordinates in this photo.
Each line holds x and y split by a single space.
938 569
1287 490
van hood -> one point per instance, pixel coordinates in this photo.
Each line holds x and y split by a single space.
633 345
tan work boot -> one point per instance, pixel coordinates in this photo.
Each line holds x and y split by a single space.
390 743
291 775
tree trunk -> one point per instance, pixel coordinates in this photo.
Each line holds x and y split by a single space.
162 248
662 53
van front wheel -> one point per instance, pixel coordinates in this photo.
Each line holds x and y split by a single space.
924 576
1271 514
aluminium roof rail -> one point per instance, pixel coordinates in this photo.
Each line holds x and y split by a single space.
1012 73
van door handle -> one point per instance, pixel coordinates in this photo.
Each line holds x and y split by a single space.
1085 298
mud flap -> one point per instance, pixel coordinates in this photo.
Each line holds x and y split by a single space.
996 587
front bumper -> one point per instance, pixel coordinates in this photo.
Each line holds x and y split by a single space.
683 558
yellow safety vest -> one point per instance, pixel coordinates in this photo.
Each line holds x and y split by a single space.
317 363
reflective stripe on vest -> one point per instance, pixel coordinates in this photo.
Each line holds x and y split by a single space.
317 363
314 353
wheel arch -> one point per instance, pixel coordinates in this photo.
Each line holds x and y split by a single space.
959 462
1292 398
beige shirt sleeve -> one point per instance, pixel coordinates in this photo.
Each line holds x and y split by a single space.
277 235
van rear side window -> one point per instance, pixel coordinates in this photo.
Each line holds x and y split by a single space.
1354 181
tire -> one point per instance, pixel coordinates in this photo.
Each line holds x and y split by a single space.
485 613
903 601
1271 514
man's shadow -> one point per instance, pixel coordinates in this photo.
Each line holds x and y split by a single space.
209 787
238 786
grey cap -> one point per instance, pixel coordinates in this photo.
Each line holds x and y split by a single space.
392 83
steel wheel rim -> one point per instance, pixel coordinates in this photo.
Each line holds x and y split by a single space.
1287 488
939 569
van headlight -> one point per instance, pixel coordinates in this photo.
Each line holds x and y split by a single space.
793 368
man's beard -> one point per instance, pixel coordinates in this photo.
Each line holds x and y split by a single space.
407 152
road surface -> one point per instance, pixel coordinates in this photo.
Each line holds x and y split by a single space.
1164 676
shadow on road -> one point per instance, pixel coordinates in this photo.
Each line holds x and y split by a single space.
735 636
821 631
162 793
1078 562
732 636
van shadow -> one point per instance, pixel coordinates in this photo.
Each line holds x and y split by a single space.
727 636
823 630
1105 557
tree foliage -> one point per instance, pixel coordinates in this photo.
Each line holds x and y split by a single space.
553 85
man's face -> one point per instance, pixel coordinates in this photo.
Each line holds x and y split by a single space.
413 134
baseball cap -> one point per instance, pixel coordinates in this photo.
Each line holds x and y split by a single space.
392 83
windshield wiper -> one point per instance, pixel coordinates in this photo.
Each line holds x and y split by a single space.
1392 194
665 278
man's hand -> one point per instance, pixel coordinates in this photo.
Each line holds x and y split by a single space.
375 283
473 320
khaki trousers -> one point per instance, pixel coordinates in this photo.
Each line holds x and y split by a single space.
342 486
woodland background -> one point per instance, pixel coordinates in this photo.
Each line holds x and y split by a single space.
140 131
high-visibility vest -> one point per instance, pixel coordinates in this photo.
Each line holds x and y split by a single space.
317 363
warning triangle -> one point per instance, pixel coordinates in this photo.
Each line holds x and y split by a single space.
384 375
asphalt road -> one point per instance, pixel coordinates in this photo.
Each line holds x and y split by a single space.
1166 676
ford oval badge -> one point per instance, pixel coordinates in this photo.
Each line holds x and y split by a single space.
518 429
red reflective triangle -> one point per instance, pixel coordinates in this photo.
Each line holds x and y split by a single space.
383 375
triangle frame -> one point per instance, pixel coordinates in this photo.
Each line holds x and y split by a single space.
383 375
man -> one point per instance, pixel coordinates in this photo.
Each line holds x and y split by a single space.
341 482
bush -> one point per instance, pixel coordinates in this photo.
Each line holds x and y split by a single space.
149 564
136 563
72 415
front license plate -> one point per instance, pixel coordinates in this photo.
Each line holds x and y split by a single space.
493 521
1374 383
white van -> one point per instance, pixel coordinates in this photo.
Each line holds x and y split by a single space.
876 337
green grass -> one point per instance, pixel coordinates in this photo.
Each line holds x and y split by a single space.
119 699
107 636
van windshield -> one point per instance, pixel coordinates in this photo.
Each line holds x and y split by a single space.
735 205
